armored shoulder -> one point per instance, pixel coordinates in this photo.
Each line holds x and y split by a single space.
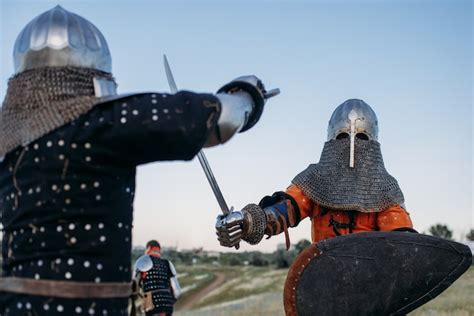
143 264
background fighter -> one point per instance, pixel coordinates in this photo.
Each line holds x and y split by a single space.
158 279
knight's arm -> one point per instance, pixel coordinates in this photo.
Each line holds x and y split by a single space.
285 209
154 127
151 127
272 216
395 218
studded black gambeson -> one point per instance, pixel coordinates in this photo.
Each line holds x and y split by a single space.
157 280
67 198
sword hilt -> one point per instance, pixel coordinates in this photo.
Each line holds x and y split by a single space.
272 93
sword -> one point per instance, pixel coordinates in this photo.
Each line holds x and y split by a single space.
202 158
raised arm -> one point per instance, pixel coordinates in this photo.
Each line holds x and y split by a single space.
150 127
272 216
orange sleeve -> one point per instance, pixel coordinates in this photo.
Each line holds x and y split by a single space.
305 205
393 218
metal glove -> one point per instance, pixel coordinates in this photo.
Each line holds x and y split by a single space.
256 89
229 228
248 224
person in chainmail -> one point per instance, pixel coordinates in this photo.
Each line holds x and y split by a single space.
348 191
158 279
69 148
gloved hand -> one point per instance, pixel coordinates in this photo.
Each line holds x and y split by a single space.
256 89
248 224
229 228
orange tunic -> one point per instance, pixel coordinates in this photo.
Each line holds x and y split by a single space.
390 219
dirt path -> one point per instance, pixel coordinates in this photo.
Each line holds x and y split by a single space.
190 301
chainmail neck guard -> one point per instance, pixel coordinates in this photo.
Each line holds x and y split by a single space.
41 100
333 184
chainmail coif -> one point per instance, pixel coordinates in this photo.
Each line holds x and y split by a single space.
40 100
333 184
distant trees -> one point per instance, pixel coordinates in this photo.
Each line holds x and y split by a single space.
279 258
283 259
302 244
234 260
258 259
441 231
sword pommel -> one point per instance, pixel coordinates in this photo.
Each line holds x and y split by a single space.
272 93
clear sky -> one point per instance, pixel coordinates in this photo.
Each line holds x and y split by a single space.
412 61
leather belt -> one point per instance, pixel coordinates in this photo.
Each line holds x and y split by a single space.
66 289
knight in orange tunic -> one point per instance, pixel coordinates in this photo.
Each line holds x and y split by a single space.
348 191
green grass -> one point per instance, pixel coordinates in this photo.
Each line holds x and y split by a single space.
238 282
457 300
246 282
195 278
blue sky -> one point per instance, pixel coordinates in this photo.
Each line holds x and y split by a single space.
410 60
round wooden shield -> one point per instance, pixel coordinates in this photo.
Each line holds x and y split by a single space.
374 273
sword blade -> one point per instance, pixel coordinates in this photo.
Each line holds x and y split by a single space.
169 75
212 181
202 158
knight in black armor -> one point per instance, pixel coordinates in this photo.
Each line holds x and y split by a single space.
70 147
158 280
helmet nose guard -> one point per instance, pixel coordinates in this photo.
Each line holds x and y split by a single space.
351 118
59 38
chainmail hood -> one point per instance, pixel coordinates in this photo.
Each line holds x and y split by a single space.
39 101
333 184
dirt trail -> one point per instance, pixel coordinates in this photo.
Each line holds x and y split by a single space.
190 301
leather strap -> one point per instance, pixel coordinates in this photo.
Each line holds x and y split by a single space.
65 289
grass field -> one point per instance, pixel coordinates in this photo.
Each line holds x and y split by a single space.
259 291
241 283
458 300
192 280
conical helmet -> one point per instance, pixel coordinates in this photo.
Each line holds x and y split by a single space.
59 38
353 118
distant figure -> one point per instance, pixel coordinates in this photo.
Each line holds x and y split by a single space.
158 281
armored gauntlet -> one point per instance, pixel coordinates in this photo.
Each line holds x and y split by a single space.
253 221
248 224
241 104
